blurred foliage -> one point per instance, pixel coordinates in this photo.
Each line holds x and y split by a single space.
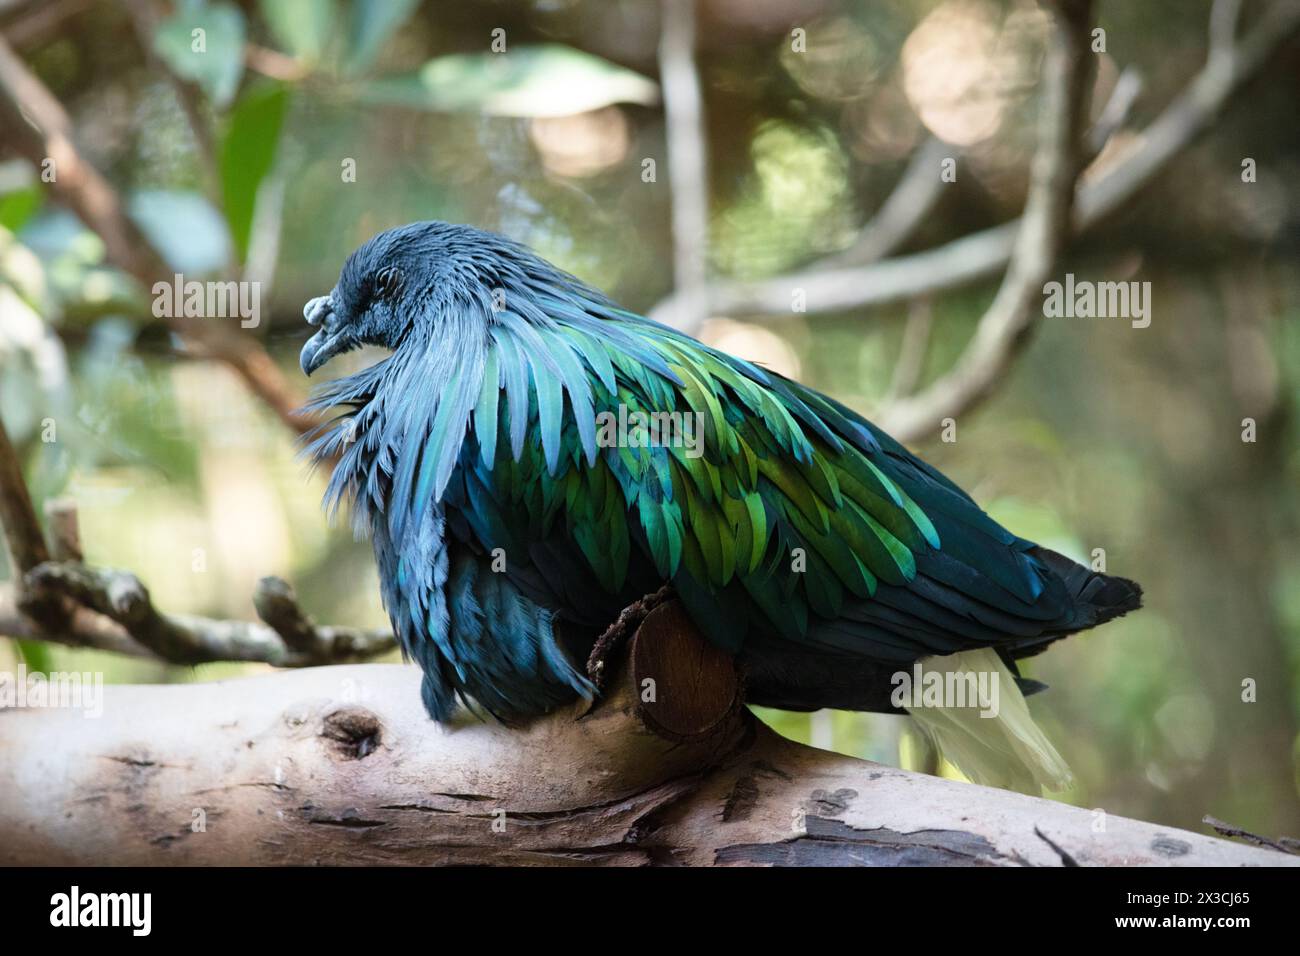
1102 437
549 80
204 42
248 151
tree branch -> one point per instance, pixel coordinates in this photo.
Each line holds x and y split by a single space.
1004 329
114 612
911 356
38 25
1281 844
65 602
340 765
1128 87
982 254
26 544
34 121
902 213
64 530
1223 27
918 190
687 163
22 530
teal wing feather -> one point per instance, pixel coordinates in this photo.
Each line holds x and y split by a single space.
789 525
790 508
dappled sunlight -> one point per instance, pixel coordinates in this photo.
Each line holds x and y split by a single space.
583 144
752 343
963 68
795 200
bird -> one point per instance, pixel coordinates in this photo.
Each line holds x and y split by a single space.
505 462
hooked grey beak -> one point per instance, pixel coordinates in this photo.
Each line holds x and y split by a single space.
326 343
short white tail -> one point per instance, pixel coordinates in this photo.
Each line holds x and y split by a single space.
1004 750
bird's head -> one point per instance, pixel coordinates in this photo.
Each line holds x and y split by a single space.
392 284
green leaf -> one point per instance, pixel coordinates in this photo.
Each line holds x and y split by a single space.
247 154
301 27
548 80
205 44
37 656
18 207
372 23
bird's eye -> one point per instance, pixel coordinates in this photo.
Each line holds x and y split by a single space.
387 281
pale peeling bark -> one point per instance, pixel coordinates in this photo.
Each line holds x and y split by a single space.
334 765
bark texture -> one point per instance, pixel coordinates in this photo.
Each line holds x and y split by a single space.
335 765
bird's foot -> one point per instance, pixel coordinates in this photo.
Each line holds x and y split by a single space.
607 645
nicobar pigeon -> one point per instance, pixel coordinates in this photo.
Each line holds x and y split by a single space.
478 437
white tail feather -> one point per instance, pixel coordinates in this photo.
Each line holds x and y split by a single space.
1004 750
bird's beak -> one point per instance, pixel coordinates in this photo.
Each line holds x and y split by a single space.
327 342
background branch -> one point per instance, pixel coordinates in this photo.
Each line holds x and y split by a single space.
22 530
981 254
1114 115
24 27
911 356
114 612
687 163
66 602
1003 330
917 192
26 546
910 203
35 123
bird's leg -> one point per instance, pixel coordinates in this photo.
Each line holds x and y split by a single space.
629 619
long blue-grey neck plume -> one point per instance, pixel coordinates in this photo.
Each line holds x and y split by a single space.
511 525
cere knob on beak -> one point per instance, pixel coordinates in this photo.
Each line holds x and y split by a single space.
316 309
328 341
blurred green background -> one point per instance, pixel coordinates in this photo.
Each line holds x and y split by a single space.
1102 436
